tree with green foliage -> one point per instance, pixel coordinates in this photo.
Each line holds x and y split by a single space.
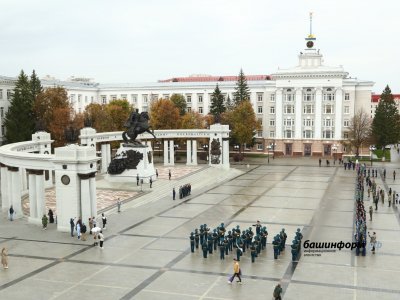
242 90
180 102
217 104
386 123
36 86
19 120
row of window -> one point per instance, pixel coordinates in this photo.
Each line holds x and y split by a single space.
307 109
9 94
307 134
326 122
79 98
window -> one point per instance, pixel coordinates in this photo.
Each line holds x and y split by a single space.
188 109
308 95
134 98
200 98
85 99
328 95
347 109
272 98
288 122
79 98
327 134
259 133
260 121
124 97
113 97
188 99
1 94
308 134
346 123
259 97
153 97
2 112
145 99
289 109
328 109
345 135
103 99
272 134
328 122
9 94
308 109
91 99
166 96
347 96
308 122
200 110
260 147
272 122
272 110
259 109
288 134
72 98
289 97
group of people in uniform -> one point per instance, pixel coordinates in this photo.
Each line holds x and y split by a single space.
185 190
238 241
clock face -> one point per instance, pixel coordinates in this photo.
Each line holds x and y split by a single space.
65 179
310 44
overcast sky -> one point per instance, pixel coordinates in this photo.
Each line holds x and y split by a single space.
142 41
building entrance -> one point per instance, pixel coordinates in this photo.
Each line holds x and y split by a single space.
288 149
307 149
327 150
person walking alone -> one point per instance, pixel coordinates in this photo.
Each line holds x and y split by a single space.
72 224
173 194
278 292
4 258
119 205
372 241
11 212
104 220
394 175
101 239
236 272
169 174
370 213
44 221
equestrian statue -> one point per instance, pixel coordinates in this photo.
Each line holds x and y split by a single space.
137 123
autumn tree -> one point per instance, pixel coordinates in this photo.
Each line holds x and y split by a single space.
192 120
217 104
19 120
117 112
242 90
55 112
164 114
180 102
243 123
359 129
97 114
386 123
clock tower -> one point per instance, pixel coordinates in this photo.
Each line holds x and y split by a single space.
310 57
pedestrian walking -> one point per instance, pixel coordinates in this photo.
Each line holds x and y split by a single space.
137 179
83 231
277 292
104 220
151 182
320 161
4 258
372 241
370 213
236 272
157 173
169 174
397 198
394 175
51 216
44 221
11 213
173 194
90 225
101 239
78 229
72 224
119 205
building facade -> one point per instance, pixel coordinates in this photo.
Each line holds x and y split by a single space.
304 110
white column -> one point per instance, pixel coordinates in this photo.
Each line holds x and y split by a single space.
104 164
166 153
40 202
9 188
16 192
171 153
297 110
93 196
225 153
32 196
189 152
5 202
318 113
338 114
278 114
194 152
86 207
24 183
108 151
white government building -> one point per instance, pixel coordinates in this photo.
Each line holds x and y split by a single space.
304 110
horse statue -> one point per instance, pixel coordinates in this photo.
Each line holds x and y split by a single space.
137 124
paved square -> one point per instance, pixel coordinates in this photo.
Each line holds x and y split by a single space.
146 254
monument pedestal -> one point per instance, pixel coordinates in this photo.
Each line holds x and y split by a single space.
132 160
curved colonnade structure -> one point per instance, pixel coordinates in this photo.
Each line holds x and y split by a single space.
29 167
